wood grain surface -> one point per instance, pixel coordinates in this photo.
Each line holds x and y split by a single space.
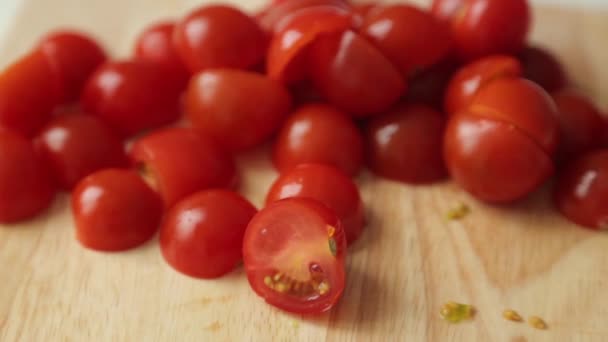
408 263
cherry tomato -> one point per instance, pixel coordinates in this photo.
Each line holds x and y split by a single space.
178 162
133 96
469 79
26 188
429 86
353 75
543 68
78 145
411 38
273 19
202 235
239 109
406 144
29 91
486 27
319 133
365 9
582 190
114 210
294 252
327 185
74 57
581 124
219 37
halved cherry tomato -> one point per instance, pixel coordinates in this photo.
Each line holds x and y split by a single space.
582 190
114 210
239 109
202 235
354 75
543 68
410 37
319 133
472 77
74 57
406 144
219 36
429 86
273 19
26 188
29 91
178 162
294 252
327 185
132 96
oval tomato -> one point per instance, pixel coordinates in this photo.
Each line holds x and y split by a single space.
273 19
543 68
294 254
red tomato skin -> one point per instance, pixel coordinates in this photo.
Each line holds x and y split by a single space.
353 75
470 78
303 209
446 9
74 57
114 210
406 143
581 191
26 188
180 162
219 36
202 235
543 68
132 96
365 9
328 185
29 92
319 133
411 38
77 145
239 109
493 160
273 19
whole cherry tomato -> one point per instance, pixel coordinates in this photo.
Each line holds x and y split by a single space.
469 79
582 189
410 37
132 96
114 210
543 68
429 86
178 162
327 185
202 235
78 145
29 91
319 133
219 37
354 75
294 254
26 188
406 144
239 109
74 57
274 17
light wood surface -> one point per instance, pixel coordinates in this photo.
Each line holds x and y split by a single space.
407 264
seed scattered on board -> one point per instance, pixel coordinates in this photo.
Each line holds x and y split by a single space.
512 315
537 323
456 312
459 212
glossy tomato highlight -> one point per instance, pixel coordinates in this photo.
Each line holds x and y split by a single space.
274 17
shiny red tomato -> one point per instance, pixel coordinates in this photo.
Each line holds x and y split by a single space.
26 188
470 78
178 162
202 235
29 91
294 254
354 75
485 27
74 57
543 68
239 109
327 185
274 17
114 210
581 124
429 86
133 96
410 37
319 133
582 190
364 9
78 145
219 36
405 144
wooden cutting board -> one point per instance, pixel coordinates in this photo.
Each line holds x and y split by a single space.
407 264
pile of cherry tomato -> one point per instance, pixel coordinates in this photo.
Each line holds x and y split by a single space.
416 95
